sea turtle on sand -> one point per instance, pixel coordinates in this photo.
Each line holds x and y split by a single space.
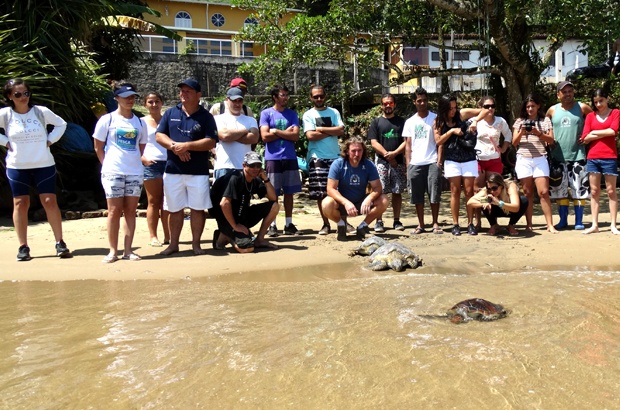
367 247
395 256
476 309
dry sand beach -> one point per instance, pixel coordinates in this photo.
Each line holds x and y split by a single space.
87 239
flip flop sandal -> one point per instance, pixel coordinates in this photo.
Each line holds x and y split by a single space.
109 259
132 257
418 231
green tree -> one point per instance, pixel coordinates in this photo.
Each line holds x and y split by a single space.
70 48
510 27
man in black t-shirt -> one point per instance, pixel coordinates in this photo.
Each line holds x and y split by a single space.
233 212
386 137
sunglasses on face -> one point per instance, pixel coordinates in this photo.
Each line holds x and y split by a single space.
19 95
493 188
318 97
254 165
488 106
388 104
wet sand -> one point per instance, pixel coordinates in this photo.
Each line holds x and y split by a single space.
87 238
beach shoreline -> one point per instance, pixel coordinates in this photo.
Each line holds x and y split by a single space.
87 238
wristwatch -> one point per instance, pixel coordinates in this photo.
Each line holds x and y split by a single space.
266 180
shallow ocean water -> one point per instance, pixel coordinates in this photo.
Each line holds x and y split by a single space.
314 338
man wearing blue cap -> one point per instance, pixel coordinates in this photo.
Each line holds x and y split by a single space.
233 212
188 132
236 134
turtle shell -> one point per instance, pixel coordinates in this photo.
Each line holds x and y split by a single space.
476 309
394 256
369 246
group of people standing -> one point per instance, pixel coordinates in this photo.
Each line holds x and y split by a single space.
169 154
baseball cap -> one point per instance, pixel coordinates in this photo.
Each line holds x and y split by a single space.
191 83
125 90
239 82
563 84
234 93
252 157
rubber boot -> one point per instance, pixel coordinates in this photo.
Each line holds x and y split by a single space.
563 211
579 218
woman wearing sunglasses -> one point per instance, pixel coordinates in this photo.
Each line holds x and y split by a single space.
490 129
500 199
29 162
532 132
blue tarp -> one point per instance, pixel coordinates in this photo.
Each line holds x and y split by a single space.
76 139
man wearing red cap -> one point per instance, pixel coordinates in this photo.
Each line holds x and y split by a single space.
241 84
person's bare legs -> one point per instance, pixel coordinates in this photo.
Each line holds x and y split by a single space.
595 194
435 215
379 206
397 204
21 204
528 191
130 204
197 224
542 185
115 210
176 225
455 198
419 210
155 195
271 216
479 183
288 205
468 184
610 183
319 205
54 218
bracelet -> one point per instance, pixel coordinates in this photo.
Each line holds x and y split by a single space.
501 204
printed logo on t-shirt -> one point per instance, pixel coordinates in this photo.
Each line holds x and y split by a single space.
126 138
323 121
354 180
420 132
391 134
566 122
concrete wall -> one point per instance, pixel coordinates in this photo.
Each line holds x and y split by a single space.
162 73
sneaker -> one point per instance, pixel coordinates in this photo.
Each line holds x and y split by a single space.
62 251
350 228
23 254
471 229
456 230
272 231
325 230
398 225
342 233
361 233
379 228
291 229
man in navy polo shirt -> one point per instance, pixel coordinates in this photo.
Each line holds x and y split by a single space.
188 132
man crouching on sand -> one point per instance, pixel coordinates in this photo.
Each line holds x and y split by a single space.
235 216
346 189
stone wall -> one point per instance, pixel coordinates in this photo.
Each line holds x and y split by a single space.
162 73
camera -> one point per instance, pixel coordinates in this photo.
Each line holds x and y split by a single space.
489 199
528 124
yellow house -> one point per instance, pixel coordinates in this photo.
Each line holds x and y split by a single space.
207 28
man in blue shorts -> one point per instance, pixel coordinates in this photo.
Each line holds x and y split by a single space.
279 129
348 178
188 132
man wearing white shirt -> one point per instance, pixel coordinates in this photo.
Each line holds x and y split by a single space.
423 161
236 133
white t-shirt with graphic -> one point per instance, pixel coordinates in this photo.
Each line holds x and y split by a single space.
123 137
423 146
487 144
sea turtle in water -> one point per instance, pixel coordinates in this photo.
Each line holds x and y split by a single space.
395 256
476 309
369 246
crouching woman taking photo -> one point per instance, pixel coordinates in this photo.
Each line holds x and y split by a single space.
500 199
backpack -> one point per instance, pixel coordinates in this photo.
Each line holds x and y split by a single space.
8 115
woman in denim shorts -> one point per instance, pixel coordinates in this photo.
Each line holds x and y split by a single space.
599 132
154 160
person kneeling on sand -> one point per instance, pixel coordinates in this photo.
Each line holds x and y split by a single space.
500 199
348 178
235 216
